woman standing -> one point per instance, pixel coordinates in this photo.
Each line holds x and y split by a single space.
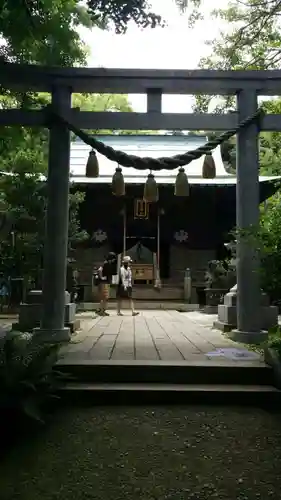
125 286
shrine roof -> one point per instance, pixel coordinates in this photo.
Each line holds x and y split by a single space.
154 146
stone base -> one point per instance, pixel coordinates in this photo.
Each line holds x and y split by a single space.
36 297
230 299
227 312
69 312
30 315
253 338
52 336
210 310
223 327
228 315
214 296
73 326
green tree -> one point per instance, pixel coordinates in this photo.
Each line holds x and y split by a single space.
42 32
270 144
250 39
268 237
24 155
107 102
45 31
102 102
269 147
267 240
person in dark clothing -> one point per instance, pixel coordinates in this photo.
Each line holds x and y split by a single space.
106 272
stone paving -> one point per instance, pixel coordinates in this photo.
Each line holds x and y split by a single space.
154 335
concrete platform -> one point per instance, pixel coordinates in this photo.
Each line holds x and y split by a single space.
154 335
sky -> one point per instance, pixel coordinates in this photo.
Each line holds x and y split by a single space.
174 47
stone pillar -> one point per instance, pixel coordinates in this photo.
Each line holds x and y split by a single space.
247 216
187 285
56 238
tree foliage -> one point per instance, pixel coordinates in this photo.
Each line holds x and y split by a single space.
24 155
46 32
270 144
269 147
251 38
42 32
121 12
267 240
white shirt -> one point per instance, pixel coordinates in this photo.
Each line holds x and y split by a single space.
126 276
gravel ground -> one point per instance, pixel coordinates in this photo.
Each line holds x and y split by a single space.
149 454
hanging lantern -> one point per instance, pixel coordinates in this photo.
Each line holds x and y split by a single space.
118 184
92 167
181 184
209 167
150 193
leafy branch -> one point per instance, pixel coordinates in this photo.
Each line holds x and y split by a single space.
251 39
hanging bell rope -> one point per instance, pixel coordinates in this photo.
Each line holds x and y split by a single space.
166 163
92 167
209 167
118 184
151 193
181 184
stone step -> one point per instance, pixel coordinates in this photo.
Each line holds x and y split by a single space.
141 292
165 372
164 286
167 305
129 393
166 293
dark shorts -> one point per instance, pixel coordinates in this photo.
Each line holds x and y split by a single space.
124 294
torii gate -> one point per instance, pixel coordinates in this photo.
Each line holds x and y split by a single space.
62 82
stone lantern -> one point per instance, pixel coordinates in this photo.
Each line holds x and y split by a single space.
227 312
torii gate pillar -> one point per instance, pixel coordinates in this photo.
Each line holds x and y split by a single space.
247 217
56 237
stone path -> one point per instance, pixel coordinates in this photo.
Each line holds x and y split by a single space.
151 336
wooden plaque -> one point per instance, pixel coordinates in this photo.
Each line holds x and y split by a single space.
142 272
141 209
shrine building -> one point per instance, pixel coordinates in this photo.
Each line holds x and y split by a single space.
163 238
